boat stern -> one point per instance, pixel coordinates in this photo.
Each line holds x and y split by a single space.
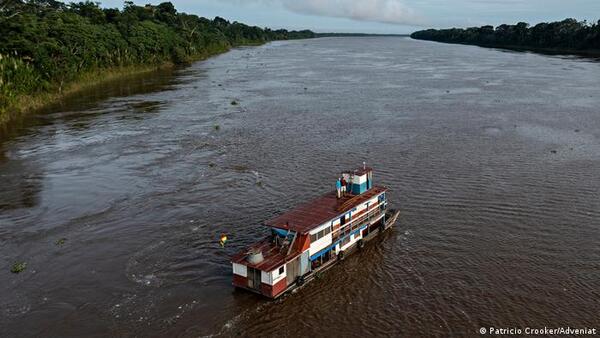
260 269
267 283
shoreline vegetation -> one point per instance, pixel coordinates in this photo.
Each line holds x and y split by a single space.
562 37
49 49
327 35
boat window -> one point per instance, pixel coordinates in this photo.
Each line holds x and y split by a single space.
345 241
281 269
320 234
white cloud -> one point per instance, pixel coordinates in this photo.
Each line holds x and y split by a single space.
387 11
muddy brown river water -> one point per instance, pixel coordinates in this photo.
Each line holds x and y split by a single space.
493 157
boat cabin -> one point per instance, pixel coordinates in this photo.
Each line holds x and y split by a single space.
310 236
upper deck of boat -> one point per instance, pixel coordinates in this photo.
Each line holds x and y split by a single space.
312 214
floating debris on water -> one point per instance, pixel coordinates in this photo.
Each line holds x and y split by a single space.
234 103
60 241
258 180
18 267
217 127
147 280
240 167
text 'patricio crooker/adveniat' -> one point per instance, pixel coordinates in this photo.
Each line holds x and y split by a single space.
539 331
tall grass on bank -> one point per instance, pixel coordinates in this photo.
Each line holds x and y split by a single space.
17 78
22 89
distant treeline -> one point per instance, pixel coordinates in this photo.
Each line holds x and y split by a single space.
45 44
568 35
324 35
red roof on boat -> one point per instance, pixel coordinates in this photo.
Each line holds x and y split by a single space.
312 214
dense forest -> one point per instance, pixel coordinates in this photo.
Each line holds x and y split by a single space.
568 35
47 44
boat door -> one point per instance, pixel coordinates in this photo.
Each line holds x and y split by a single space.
253 278
304 263
292 270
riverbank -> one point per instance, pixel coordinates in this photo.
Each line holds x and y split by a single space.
24 105
595 53
592 53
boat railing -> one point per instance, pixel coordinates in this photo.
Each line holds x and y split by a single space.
358 222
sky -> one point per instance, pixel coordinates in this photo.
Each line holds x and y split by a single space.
383 16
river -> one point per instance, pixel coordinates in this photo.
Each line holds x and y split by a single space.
117 197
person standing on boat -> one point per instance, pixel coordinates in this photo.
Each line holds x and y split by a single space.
338 187
343 182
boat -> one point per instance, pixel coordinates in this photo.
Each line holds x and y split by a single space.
314 236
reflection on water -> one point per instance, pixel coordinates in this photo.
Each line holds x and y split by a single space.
22 191
491 156
79 105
